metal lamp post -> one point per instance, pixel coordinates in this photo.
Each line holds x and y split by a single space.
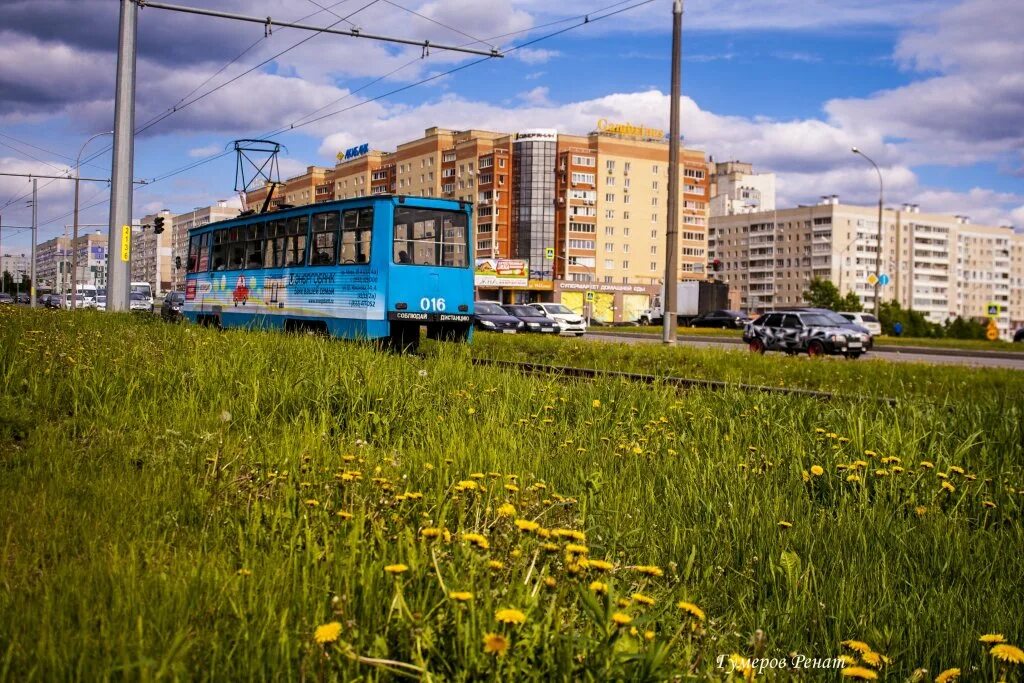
74 234
878 253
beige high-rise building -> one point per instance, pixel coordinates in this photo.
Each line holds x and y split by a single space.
941 265
151 255
54 256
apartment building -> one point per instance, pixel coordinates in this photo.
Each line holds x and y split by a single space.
15 264
735 188
54 256
152 254
938 264
182 223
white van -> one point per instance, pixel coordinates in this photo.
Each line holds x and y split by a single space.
866 320
145 299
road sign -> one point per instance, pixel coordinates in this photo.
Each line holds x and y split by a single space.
590 296
994 310
883 279
872 279
992 333
126 242
549 253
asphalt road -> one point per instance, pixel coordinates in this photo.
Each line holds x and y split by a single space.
937 357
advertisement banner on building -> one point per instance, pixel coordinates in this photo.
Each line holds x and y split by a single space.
502 273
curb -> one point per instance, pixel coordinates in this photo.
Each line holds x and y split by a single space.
878 348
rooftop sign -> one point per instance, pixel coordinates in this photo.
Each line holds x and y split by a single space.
629 129
353 152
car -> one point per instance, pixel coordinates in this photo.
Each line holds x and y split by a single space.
101 302
803 332
1019 337
49 301
170 309
138 301
532 319
837 319
23 299
491 317
568 320
721 319
865 320
6 298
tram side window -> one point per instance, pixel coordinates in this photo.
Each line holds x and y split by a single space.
204 252
193 254
295 241
324 248
356 234
219 253
273 246
254 245
236 248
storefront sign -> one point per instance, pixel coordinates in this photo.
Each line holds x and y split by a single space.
629 129
502 273
602 287
537 134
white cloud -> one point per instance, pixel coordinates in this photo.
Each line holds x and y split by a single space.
535 55
536 96
208 150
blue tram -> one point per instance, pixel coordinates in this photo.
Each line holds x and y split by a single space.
375 267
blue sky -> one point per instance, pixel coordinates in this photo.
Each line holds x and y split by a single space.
930 88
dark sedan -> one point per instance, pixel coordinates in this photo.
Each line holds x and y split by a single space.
721 319
491 317
803 332
533 320
170 310
1019 337
6 298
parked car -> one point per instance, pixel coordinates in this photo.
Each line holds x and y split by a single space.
568 320
532 319
138 301
865 320
170 309
492 317
101 302
721 319
804 332
1019 337
23 298
49 301
6 298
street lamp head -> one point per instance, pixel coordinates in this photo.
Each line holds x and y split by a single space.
855 150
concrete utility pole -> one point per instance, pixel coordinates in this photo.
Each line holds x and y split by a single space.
672 234
74 239
35 227
878 252
120 236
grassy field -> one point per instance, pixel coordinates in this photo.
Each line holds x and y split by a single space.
182 503
954 344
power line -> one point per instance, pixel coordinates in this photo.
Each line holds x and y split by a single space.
435 21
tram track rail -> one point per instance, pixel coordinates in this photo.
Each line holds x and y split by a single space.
678 382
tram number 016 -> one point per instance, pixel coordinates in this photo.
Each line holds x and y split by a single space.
430 304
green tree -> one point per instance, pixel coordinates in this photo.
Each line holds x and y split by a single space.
961 328
822 293
914 323
851 302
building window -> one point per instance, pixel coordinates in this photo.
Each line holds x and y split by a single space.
610 164
625 215
501 163
625 264
583 161
654 234
654 169
625 231
654 265
626 199
609 263
609 247
609 231
586 178
626 166
654 185
609 180
654 218
609 197
581 244
654 201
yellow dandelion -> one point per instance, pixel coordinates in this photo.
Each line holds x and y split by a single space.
550 581
956 469
819 430
650 570
312 502
861 673
576 549
461 596
1007 653
691 609
621 619
476 539
569 533
872 659
870 454
507 510
471 410
817 470
993 638
495 564
920 511
549 547
596 403
896 469
244 572
860 464
988 503
783 524
599 588
853 478
467 485
623 603
602 565
544 533
927 465
327 633
643 599
948 675
942 475
847 660
430 532
396 569
512 488
495 644
805 476
949 486
510 616
881 473
857 646
648 635
526 525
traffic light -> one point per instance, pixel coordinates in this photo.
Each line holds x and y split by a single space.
158 225
716 265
